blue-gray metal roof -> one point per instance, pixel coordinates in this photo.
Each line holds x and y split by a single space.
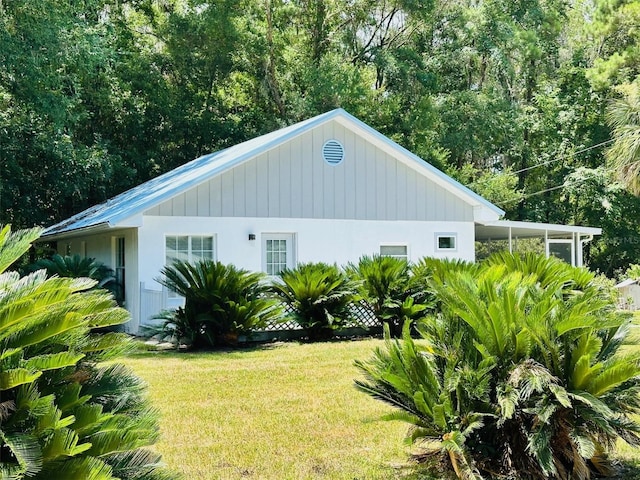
155 191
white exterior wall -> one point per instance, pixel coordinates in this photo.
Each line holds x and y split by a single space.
316 240
630 297
101 247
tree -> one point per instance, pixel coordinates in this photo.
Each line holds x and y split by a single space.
623 115
522 374
63 413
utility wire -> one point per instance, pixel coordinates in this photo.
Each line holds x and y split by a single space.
586 149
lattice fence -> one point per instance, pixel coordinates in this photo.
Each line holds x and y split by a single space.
362 315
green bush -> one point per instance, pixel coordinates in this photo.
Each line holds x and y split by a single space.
75 266
521 375
63 413
222 302
319 296
388 285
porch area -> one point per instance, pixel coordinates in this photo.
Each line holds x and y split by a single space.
563 241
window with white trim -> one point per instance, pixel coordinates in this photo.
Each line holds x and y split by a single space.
446 241
119 262
395 251
188 248
277 252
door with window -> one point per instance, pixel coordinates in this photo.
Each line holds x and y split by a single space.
278 252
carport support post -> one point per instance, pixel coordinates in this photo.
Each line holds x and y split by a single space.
510 243
546 243
579 251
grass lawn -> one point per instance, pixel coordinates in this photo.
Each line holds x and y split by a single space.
285 411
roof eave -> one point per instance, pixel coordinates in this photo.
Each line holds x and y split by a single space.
75 232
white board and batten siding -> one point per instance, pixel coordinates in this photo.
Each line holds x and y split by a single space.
293 181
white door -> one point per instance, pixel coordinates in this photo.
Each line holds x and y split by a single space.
278 252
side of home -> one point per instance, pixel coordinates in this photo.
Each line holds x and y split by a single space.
329 189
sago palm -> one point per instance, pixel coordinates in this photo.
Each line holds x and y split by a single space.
221 302
62 414
319 295
520 375
75 266
386 284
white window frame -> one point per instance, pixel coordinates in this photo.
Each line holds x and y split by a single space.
440 235
119 261
290 252
562 241
214 253
403 257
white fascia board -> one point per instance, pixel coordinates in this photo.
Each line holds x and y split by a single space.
98 228
413 161
134 221
543 226
484 215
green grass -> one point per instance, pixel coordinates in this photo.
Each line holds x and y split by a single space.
285 411
288 411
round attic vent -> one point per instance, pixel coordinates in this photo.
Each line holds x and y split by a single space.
333 152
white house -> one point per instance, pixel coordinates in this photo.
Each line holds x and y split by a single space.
629 294
328 189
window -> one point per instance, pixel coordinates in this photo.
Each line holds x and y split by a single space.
563 249
119 263
446 241
188 248
277 252
396 251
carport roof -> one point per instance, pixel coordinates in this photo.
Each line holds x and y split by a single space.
505 229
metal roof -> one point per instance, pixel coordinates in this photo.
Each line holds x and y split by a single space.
627 282
153 192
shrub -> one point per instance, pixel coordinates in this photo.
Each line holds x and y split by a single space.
75 266
222 302
386 284
520 376
64 414
319 295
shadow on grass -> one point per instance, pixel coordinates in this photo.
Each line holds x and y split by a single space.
144 351
626 470
623 470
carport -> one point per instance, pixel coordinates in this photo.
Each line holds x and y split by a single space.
563 241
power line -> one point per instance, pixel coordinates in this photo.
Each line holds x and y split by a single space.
586 149
534 193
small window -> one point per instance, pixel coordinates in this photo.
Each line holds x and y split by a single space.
396 251
446 241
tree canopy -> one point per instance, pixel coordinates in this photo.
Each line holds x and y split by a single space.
511 97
